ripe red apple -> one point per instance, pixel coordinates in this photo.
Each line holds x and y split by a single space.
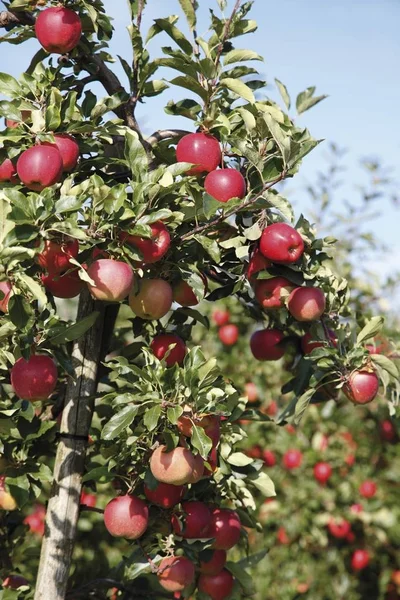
269 458
153 299
220 317
56 254
165 342
339 528
8 172
36 519
68 148
272 293
281 243
5 293
193 521
254 451
282 536
368 489
228 334
356 508
35 378
212 561
88 499
40 167
58 29
257 263
126 516
322 472
225 528
175 573
251 391
210 424
165 494
178 467
264 344
67 285
7 502
218 586
184 295
201 150
225 184
292 459
306 303
307 345
361 386
387 429
13 582
350 459
113 279
152 249
360 560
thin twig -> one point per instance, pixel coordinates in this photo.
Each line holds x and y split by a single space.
83 507
164 134
233 211
226 32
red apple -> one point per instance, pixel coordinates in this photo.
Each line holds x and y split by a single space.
5 293
250 389
350 459
67 285
220 317
68 148
58 29
339 528
269 458
361 386
8 172
356 508
25 114
218 587
257 263
56 254
152 249
165 494
201 150
40 167
272 293
113 280
212 460
175 573
387 429
322 472
282 536
254 451
88 499
292 459
225 528
228 334
212 561
360 560
126 516
153 299
193 521
177 467
265 344
307 345
35 378
36 519
225 184
13 582
165 342
306 303
281 243
368 489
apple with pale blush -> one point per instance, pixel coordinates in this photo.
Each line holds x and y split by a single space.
112 279
177 467
228 334
152 300
306 303
175 573
220 317
126 516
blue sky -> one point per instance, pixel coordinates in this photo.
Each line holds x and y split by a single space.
349 49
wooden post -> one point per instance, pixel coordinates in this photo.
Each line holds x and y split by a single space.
63 507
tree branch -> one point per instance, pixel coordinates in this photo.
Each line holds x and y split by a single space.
233 211
164 134
226 32
9 18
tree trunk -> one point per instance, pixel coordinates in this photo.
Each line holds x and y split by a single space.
63 507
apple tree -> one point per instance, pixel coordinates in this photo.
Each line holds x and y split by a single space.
108 239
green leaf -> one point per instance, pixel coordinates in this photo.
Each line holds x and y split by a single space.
188 8
302 404
245 580
100 474
153 88
238 459
386 364
134 152
210 246
73 332
201 441
238 87
370 329
151 417
283 92
173 414
280 137
20 311
33 286
210 205
305 100
175 34
10 86
53 110
241 55
119 422
188 83
263 483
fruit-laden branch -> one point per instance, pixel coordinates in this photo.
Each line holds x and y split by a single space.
8 18
233 211
63 507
